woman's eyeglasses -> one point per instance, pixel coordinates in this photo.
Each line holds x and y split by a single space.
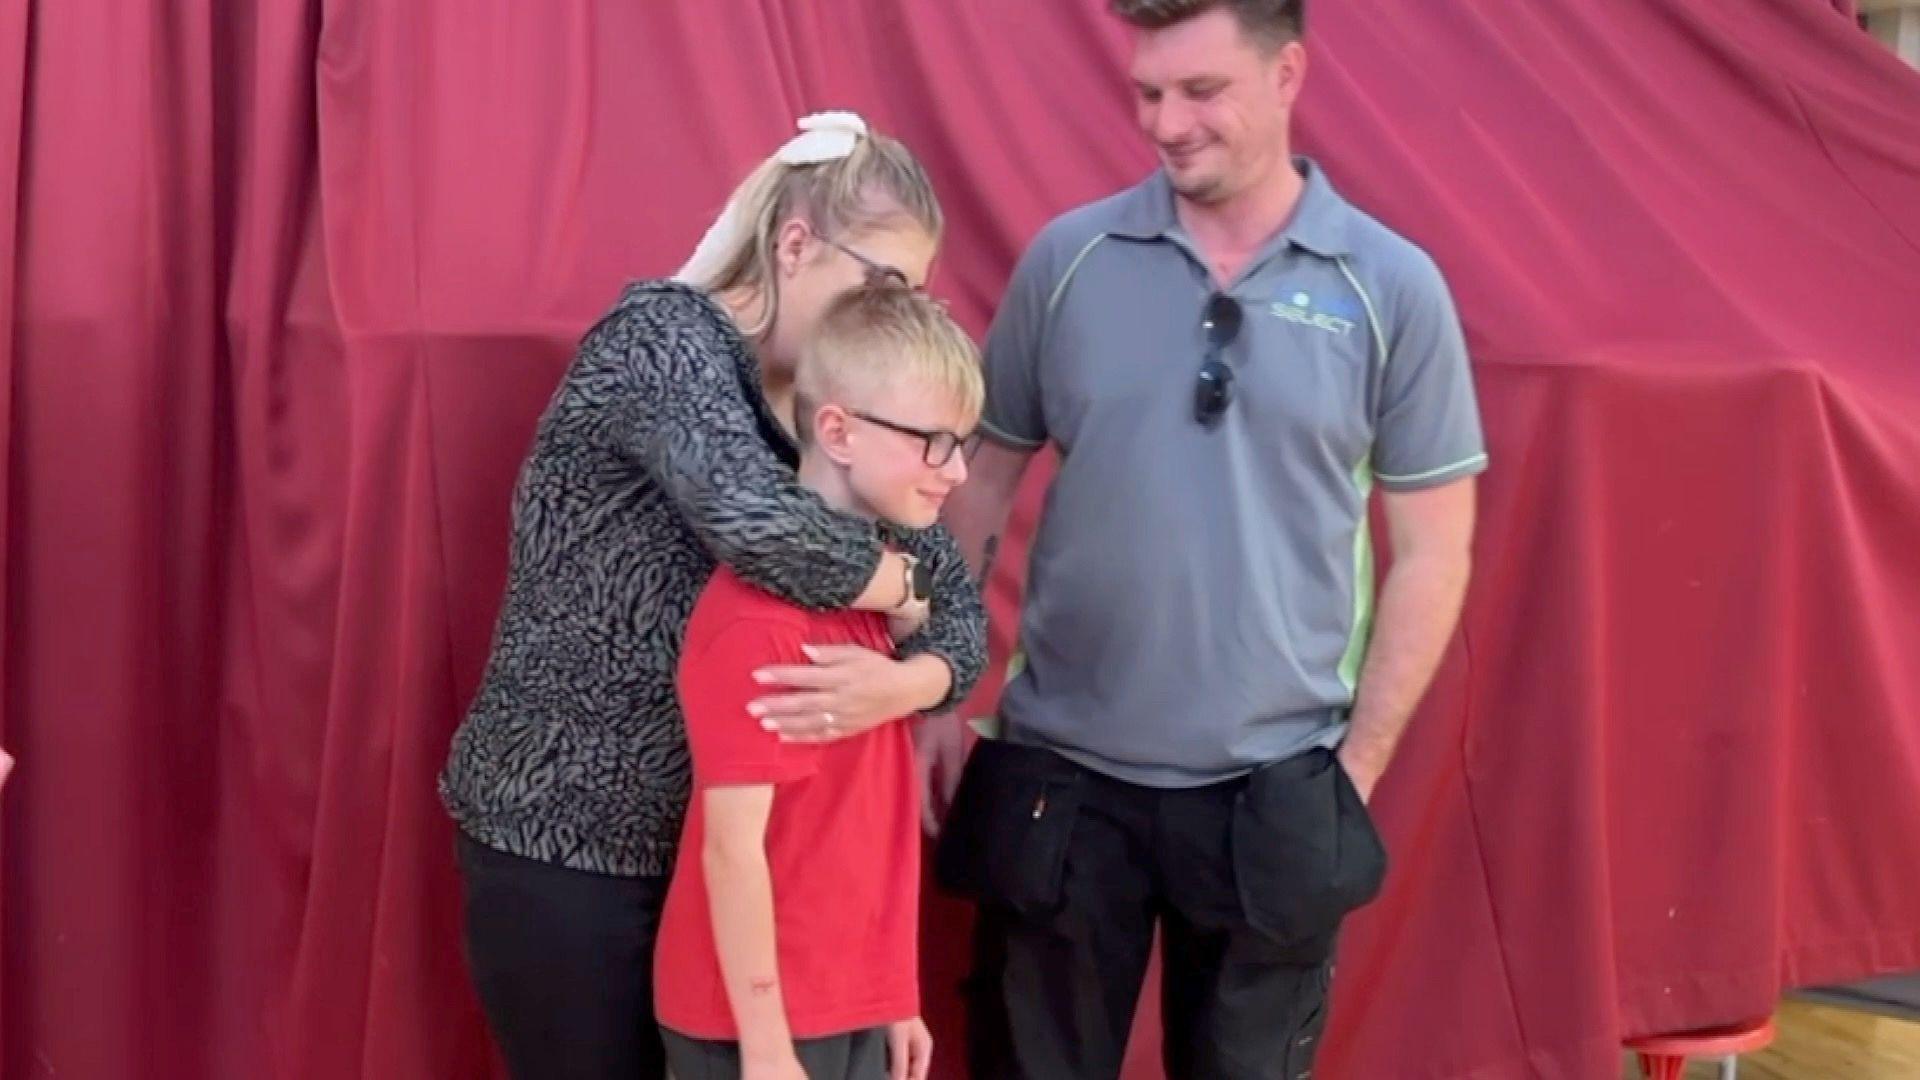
879 274
1213 389
939 446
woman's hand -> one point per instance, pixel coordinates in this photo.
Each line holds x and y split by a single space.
847 690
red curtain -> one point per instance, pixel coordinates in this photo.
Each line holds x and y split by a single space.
289 283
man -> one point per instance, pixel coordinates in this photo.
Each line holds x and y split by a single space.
1229 358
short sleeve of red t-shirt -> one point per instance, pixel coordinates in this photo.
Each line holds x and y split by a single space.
716 685
842 841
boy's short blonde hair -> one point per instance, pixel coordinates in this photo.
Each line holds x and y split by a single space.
878 336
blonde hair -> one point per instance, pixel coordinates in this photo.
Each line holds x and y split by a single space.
877 336
878 184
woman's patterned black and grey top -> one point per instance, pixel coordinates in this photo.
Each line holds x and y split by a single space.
657 456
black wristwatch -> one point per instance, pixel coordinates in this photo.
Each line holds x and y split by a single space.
919 582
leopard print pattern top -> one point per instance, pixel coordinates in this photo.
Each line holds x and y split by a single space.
656 459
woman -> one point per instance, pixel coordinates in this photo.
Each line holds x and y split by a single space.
664 451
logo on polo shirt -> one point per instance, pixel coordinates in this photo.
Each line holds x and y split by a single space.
1298 307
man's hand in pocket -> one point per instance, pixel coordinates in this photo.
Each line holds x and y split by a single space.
940 745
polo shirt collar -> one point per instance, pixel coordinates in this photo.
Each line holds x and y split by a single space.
1318 224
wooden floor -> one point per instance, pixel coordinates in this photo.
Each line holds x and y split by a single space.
1821 1043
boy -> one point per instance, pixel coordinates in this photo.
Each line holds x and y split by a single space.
787 945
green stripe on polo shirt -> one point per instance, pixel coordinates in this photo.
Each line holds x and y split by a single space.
1362 630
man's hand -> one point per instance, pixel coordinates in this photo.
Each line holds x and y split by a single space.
909 1050
847 690
1361 769
1431 532
940 746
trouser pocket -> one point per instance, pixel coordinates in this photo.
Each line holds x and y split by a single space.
1005 839
1305 852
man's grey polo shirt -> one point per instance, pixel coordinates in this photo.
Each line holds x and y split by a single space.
1199 599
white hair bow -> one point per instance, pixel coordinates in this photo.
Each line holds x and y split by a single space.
824 136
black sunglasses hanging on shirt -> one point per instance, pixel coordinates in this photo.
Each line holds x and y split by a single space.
1213 390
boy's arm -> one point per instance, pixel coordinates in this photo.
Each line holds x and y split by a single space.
740 899
736 765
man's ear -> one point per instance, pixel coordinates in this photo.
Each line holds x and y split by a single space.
1290 71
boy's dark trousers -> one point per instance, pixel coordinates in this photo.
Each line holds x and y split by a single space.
857 1055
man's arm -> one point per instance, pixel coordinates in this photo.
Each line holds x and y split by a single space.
740 898
1014 423
976 515
977 510
1431 534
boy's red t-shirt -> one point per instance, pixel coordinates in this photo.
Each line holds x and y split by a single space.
843 841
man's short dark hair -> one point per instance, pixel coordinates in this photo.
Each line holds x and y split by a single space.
1269 23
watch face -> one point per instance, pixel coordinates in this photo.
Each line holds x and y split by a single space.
922 581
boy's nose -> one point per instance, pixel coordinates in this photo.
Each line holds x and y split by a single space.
955 470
